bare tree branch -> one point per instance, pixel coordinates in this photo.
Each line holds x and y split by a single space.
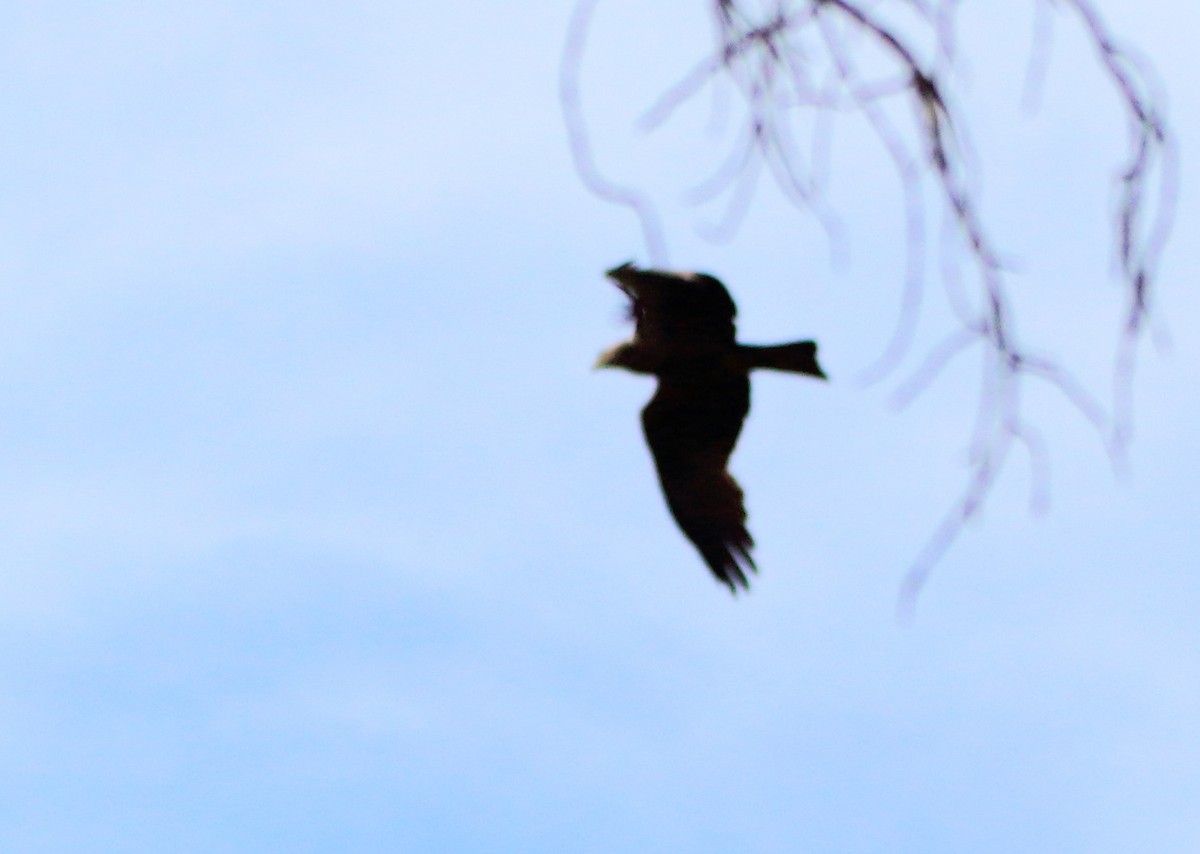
580 141
794 59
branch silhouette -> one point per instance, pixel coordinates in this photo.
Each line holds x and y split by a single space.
816 59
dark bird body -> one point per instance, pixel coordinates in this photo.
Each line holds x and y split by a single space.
685 336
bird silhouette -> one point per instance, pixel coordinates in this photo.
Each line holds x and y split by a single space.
684 335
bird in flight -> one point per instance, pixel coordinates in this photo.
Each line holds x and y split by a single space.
684 335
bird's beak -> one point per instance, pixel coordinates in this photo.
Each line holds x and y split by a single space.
604 360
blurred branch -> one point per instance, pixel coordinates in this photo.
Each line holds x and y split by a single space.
793 60
580 141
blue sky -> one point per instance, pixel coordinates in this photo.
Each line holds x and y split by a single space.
317 532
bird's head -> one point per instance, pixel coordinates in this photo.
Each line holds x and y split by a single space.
627 355
613 357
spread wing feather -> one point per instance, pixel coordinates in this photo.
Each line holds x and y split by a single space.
678 308
691 427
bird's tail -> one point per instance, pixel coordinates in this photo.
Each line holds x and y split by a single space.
799 357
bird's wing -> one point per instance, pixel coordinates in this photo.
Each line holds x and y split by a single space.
691 429
677 308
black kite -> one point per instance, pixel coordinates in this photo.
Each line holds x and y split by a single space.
685 336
